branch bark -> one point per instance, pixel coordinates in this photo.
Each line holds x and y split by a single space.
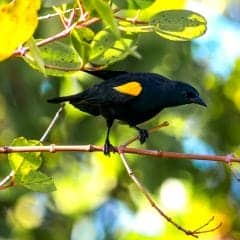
52 148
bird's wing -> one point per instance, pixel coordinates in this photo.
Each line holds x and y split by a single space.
106 74
101 96
113 92
118 90
105 92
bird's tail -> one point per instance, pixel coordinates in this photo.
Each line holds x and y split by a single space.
57 100
64 99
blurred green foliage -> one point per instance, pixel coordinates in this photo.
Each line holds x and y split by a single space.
95 199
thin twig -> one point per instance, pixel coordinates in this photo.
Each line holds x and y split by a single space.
52 123
80 23
62 18
164 124
71 18
53 38
205 224
199 229
83 14
21 51
8 181
45 17
193 233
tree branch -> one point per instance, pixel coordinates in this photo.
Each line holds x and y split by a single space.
94 148
194 233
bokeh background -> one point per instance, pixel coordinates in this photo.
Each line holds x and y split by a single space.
95 199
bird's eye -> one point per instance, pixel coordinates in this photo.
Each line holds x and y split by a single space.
189 94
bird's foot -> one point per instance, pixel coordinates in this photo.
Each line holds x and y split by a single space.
143 135
107 148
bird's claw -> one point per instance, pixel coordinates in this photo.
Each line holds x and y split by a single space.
143 135
108 147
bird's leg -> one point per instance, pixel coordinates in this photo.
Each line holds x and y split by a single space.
143 134
107 145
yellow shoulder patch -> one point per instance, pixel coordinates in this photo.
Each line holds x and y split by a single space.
131 88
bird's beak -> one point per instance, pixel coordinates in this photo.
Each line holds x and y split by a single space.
199 101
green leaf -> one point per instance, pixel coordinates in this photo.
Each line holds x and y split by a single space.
36 54
105 13
156 7
5 2
116 53
22 162
139 4
81 39
106 48
59 58
179 25
131 28
102 41
88 5
36 181
133 4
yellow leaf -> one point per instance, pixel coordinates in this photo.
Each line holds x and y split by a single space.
18 21
158 6
179 25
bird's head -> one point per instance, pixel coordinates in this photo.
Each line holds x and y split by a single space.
186 94
190 95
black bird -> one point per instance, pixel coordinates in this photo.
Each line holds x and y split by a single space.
132 98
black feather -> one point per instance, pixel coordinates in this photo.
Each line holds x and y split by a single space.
106 74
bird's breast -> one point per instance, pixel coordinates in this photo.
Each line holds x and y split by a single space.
133 114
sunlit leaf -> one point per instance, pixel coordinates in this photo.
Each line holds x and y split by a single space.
106 14
139 4
24 162
81 39
102 41
4 1
36 181
116 53
59 58
106 48
104 11
18 21
156 7
133 28
88 5
36 53
133 4
179 25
